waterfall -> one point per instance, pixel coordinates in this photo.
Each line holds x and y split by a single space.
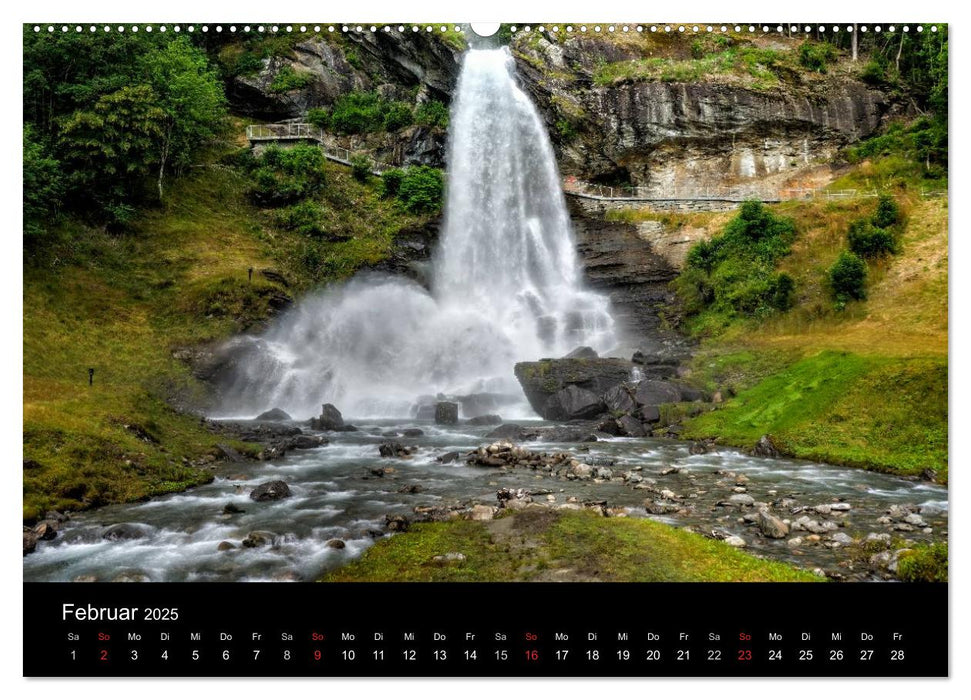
505 286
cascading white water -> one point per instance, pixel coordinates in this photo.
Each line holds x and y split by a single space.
506 285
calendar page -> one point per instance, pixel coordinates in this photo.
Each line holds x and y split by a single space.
519 349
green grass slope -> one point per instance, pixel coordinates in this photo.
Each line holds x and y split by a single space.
545 545
124 303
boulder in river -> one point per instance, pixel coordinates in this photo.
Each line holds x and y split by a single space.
125 531
448 457
270 491
543 382
46 529
584 352
573 402
487 419
412 432
771 526
303 442
274 414
765 447
259 538
30 541
329 419
394 449
446 413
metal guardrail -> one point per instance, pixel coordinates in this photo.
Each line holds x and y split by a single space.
292 131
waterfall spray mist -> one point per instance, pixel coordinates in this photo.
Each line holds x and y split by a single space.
506 284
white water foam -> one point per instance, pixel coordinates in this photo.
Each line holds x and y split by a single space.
506 283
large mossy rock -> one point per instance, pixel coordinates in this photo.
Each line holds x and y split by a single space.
571 388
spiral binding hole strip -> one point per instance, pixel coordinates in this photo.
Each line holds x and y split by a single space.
401 28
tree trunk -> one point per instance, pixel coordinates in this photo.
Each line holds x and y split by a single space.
854 42
900 50
162 160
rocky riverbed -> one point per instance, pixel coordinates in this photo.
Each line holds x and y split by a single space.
309 510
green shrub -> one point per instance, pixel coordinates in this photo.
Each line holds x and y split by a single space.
288 79
305 218
361 167
319 117
397 115
422 190
734 273
874 72
925 563
868 241
566 130
783 293
432 113
391 182
887 213
286 175
352 58
816 56
367 112
847 278
357 113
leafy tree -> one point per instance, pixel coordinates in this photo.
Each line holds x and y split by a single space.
110 147
43 183
191 97
847 278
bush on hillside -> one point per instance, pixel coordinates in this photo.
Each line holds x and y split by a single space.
422 190
868 241
847 278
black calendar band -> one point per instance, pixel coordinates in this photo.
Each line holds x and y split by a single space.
474 629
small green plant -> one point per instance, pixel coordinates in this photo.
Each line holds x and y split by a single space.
887 213
391 182
352 58
874 72
319 117
306 218
566 131
397 115
927 563
816 56
361 167
432 113
422 190
869 241
847 279
288 79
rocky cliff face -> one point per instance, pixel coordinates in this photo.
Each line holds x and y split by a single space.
673 136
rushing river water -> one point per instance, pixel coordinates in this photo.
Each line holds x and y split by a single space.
336 495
